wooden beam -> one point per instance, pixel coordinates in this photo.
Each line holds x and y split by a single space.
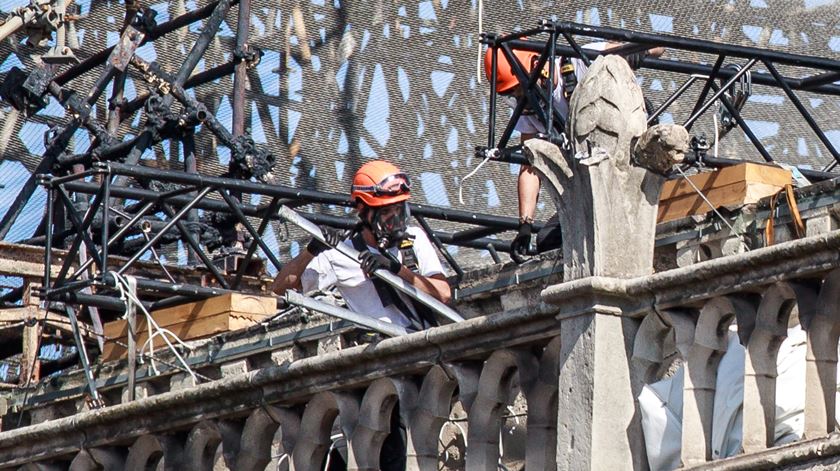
729 186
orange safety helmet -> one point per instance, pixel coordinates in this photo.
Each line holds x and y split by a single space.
380 183
505 77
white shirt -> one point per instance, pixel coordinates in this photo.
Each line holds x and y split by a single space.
332 268
530 124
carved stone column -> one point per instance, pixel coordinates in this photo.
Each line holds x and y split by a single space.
107 459
485 416
597 423
606 188
374 419
823 328
702 341
314 437
432 411
763 342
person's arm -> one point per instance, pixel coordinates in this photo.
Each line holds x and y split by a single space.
289 276
656 51
434 285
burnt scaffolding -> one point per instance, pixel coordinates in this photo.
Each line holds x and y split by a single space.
108 211
194 193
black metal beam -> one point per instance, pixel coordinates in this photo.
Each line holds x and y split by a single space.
804 112
158 31
698 45
458 238
683 67
312 196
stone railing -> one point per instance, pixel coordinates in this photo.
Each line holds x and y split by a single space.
576 362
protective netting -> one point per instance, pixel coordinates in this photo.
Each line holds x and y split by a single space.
344 82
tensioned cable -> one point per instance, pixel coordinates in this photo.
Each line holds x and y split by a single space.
722 218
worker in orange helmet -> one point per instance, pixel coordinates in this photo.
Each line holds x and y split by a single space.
384 240
568 72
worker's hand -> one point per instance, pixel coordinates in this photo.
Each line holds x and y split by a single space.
635 59
520 243
373 261
332 237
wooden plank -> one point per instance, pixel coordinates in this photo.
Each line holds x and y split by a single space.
768 174
119 329
704 181
246 304
726 176
730 186
189 330
757 191
692 204
30 366
201 319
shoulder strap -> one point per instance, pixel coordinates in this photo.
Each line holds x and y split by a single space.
389 296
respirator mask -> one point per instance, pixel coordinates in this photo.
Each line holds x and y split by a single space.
389 224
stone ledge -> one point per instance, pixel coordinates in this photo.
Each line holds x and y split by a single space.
798 258
809 452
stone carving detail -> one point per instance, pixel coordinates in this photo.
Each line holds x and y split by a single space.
702 341
607 187
105 459
495 387
432 411
202 443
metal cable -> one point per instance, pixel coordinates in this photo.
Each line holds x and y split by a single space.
725 221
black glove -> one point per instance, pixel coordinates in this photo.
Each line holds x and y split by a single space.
374 261
332 236
520 243
635 59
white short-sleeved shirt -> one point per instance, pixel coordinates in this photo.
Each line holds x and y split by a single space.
332 268
529 123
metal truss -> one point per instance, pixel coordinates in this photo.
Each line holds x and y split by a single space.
557 38
100 229
108 212
171 114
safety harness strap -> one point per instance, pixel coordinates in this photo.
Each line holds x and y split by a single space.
798 224
418 319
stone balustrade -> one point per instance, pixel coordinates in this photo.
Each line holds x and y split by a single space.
576 362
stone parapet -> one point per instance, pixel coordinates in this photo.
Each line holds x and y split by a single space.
623 328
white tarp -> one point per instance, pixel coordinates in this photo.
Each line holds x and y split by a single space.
662 403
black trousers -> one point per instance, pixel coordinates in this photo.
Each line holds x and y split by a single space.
550 236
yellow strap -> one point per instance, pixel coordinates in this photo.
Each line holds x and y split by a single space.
798 224
769 230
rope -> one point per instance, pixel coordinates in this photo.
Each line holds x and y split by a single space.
154 328
174 366
798 223
478 61
714 118
461 183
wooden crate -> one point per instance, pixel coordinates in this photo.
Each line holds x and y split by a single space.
192 321
729 186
